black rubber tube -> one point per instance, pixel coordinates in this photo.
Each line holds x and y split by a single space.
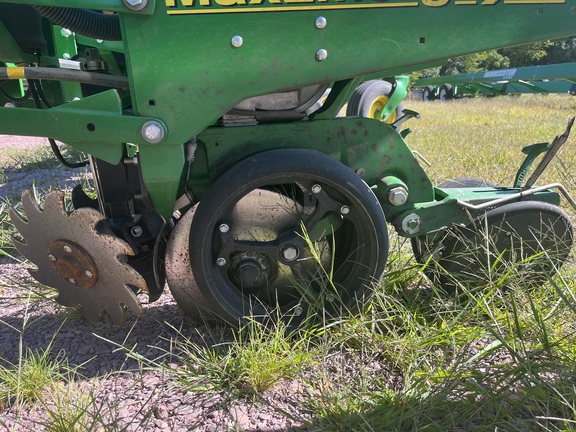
88 23
58 74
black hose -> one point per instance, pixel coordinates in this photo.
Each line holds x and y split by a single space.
95 25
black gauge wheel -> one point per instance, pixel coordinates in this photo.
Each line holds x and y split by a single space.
286 233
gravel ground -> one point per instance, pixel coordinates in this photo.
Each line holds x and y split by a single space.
133 397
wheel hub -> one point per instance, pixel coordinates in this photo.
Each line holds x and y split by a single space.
73 263
249 270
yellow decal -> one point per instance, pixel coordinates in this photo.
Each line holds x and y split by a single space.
15 73
186 7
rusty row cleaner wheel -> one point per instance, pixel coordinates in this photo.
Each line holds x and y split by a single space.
269 232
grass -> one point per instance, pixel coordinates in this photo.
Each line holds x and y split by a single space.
500 357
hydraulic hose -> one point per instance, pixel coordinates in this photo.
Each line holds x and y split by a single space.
58 74
95 25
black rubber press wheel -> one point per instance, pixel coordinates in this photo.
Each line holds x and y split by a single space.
529 238
369 99
290 233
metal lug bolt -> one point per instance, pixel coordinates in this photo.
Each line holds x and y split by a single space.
224 228
321 22
67 248
72 281
66 56
89 274
237 41
398 196
344 209
316 188
153 132
135 5
290 253
65 32
411 223
321 54
221 261
52 258
136 231
298 310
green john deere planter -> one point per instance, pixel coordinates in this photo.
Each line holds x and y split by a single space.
215 170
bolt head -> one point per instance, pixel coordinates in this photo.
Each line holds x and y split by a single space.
411 223
237 41
153 132
221 261
135 5
316 188
89 274
321 54
290 253
72 281
321 22
136 231
65 32
398 196
52 258
67 248
344 210
224 228
298 310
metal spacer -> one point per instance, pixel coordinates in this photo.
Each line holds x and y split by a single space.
153 132
411 223
237 41
135 5
321 22
321 54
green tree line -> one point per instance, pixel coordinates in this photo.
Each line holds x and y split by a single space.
540 53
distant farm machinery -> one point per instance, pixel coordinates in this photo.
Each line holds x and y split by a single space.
213 173
557 78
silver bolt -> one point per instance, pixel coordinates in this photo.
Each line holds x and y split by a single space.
321 54
136 231
66 56
72 281
221 261
411 223
153 132
89 274
51 257
65 32
398 196
316 188
237 41
290 253
298 311
135 5
224 228
10 105
321 22
344 209
67 248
